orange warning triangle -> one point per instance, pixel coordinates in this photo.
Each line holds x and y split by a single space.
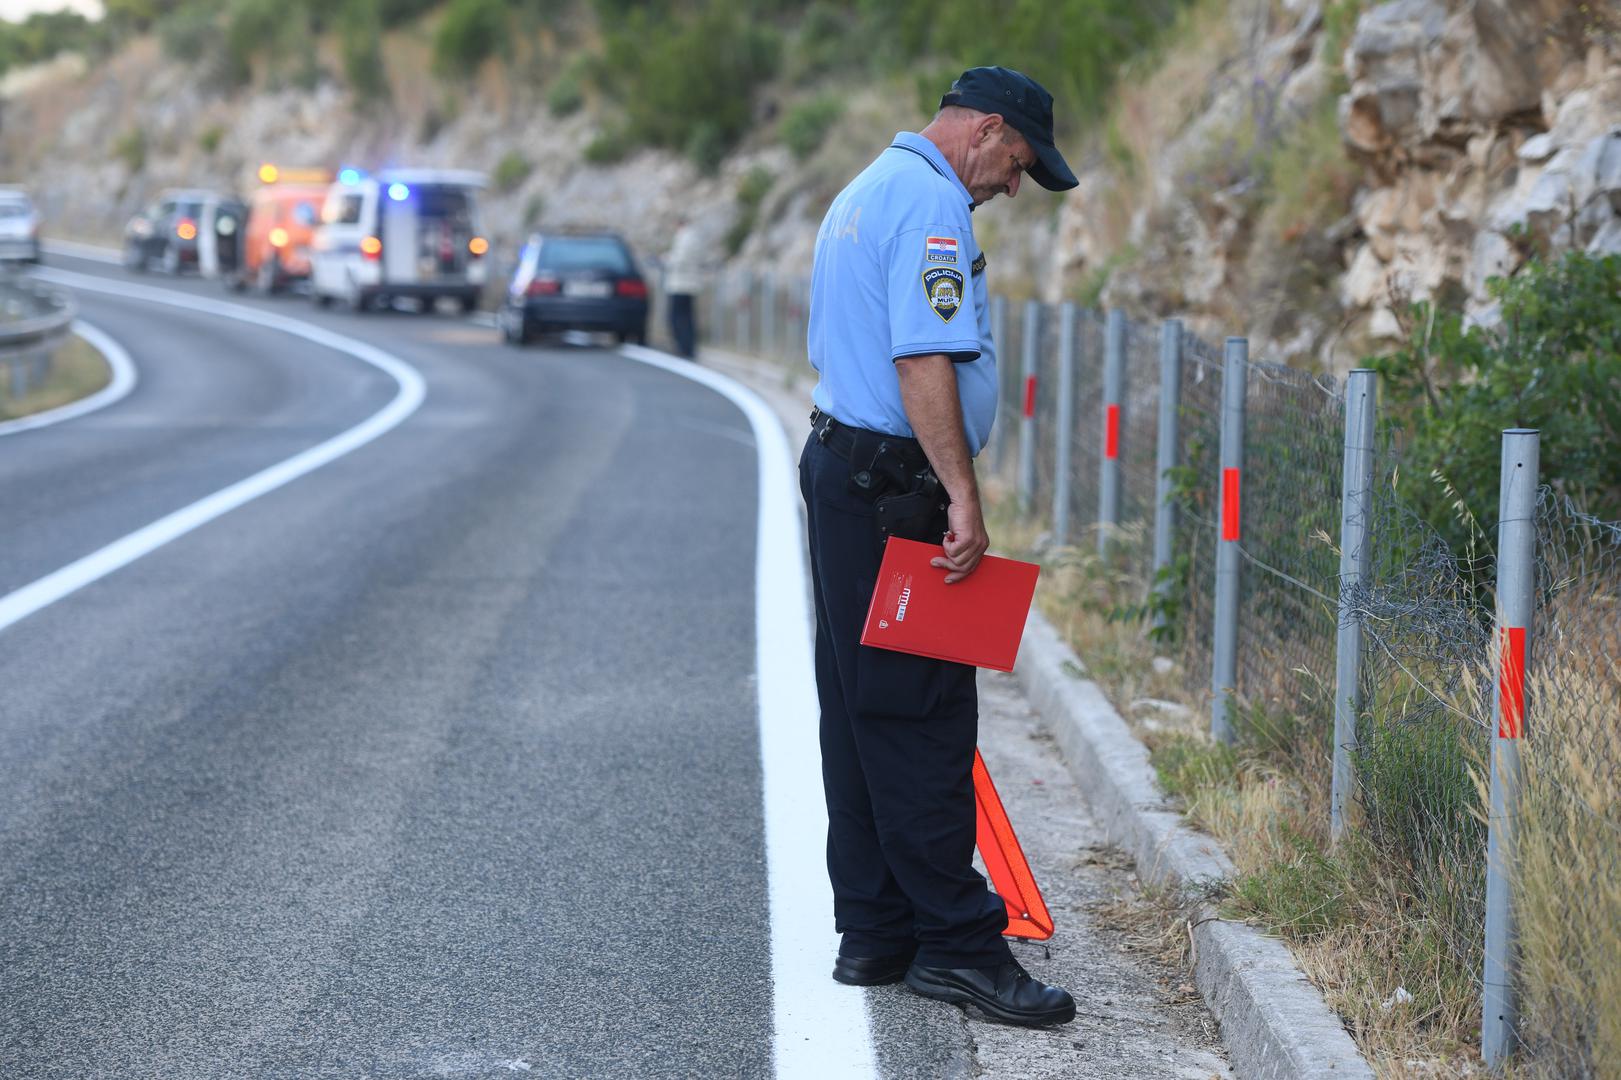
1010 873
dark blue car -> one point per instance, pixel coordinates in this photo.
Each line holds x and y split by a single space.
575 280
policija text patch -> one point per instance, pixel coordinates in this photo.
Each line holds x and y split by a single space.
943 287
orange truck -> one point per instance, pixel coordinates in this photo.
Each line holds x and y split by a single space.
282 216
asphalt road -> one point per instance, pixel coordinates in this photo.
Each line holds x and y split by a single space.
440 760
444 758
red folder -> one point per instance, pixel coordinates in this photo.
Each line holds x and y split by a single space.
977 621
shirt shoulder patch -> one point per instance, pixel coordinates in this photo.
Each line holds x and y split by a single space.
943 289
978 266
940 249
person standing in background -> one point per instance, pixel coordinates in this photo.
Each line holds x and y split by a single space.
683 277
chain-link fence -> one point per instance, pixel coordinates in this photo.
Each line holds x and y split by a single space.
1077 438
1569 844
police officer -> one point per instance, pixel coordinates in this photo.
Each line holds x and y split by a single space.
900 337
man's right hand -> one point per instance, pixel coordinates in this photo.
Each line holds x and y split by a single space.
966 541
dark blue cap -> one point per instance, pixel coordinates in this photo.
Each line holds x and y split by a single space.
1026 107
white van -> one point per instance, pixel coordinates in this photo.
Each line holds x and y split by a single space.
401 232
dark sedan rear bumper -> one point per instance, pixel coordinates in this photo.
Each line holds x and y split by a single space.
619 314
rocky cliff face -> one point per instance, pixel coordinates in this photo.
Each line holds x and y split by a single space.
1469 135
1492 131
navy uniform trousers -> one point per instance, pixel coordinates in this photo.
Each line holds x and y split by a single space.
898 735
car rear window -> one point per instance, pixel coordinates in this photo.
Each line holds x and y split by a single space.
13 208
584 253
190 209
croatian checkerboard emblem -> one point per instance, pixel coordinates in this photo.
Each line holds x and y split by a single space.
944 289
940 249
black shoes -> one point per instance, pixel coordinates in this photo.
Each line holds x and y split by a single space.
871 970
1006 993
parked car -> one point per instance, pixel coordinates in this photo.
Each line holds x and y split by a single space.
282 218
570 279
402 232
19 226
176 233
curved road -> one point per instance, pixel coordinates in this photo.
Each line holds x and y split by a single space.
483 749
441 760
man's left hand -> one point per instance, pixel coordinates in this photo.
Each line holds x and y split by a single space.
965 542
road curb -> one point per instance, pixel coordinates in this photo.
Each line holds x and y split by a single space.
1274 1023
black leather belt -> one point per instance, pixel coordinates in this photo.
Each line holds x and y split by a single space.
843 439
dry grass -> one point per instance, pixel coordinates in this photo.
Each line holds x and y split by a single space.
1570 874
1353 916
77 371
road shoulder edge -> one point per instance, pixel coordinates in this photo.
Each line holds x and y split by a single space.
1274 1023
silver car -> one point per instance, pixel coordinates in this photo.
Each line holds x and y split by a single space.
19 226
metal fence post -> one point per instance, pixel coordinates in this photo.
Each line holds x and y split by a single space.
1027 426
1356 505
1114 379
1065 422
768 316
1516 586
1224 643
1170 401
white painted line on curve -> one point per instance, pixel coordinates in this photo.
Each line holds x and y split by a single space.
820 1027
54 586
83 251
123 381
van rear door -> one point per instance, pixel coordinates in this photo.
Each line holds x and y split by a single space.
400 236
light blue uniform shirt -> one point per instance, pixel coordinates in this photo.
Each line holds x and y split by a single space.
897 273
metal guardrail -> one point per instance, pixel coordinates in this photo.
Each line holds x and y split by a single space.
34 318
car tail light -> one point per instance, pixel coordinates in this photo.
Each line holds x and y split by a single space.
371 247
186 229
544 286
635 288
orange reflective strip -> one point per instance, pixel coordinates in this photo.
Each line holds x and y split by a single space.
1511 682
1229 504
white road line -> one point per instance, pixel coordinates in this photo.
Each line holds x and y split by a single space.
123 381
83 251
820 1027
76 575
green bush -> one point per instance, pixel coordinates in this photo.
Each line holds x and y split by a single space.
131 149
511 170
566 94
45 34
252 27
675 76
360 32
808 123
609 147
208 140
1554 363
191 31
397 12
751 192
471 32
1075 48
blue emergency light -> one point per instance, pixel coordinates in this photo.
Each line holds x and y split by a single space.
398 192
349 176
